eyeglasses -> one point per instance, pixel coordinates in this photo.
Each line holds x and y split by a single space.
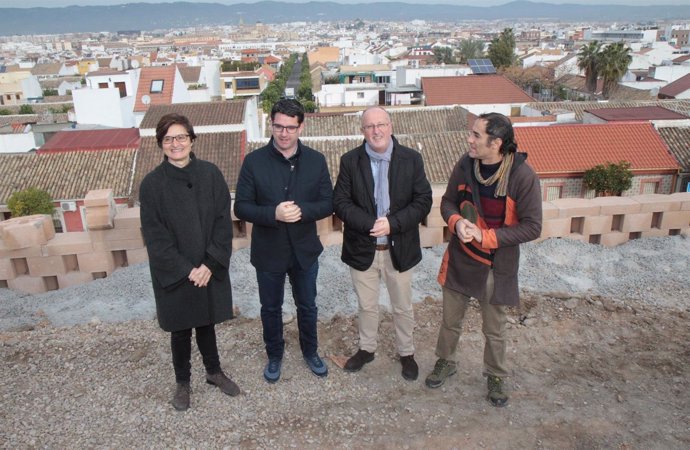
279 128
180 138
373 126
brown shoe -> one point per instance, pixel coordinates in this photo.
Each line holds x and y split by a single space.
226 385
180 400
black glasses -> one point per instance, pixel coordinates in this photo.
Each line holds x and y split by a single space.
180 138
279 128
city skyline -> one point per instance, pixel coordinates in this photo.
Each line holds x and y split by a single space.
64 3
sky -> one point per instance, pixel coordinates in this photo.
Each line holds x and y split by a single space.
59 3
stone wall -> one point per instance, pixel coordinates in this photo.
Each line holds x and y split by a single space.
34 259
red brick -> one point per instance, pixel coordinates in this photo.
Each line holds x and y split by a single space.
656 202
683 198
575 207
616 205
68 244
73 278
96 262
99 217
99 197
614 238
136 256
128 218
7 271
27 284
28 231
675 220
44 266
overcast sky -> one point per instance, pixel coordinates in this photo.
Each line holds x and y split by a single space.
58 3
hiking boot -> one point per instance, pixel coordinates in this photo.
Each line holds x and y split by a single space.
496 395
272 370
358 360
180 400
410 370
226 385
316 365
442 370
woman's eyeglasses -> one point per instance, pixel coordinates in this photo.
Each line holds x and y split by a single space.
180 138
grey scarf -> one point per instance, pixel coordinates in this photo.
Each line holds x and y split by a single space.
381 194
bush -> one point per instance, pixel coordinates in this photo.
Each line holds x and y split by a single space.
5 112
609 179
50 92
26 109
30 201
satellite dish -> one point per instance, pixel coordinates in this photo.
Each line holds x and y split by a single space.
145 99
135 64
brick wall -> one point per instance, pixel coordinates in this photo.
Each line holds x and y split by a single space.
33 258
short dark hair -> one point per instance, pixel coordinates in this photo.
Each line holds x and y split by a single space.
499 126
289 107
169 120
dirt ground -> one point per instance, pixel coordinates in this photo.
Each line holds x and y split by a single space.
588 373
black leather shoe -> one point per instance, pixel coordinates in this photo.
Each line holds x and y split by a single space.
410 370
358 360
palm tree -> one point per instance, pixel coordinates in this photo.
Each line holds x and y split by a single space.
613 64
587 60
470 49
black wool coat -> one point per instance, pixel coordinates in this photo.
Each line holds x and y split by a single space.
354 204
267 179
185 220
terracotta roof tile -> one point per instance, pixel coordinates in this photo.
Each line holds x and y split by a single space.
637 113
147 76
681 106
440 151
472 90
677 87
405 121
576 148
225 150
111 139
678 141
67 175
190 74
200 114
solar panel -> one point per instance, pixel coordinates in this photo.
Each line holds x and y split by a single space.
480 66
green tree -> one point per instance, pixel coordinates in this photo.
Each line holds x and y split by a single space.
609 179
50 92
502 49
588 59
26 109
614 62
309 106
470 49
443 55
30 201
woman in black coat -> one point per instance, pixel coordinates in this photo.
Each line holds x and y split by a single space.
185 220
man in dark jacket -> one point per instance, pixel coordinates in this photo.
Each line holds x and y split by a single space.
381 195
283 189
492 204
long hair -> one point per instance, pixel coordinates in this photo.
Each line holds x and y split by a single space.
499 126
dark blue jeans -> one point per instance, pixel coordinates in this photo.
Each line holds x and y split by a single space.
271 294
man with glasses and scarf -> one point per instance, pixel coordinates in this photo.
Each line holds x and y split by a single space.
382 195
283 189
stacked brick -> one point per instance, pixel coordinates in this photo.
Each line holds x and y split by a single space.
33 258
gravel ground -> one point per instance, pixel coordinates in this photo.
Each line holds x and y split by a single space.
599 348
654 270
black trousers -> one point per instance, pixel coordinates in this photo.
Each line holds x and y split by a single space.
181 346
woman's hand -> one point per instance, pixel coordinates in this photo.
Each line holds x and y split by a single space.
200 276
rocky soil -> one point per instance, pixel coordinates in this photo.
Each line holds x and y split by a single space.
589 371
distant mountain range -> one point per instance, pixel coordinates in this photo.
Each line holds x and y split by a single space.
150 16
